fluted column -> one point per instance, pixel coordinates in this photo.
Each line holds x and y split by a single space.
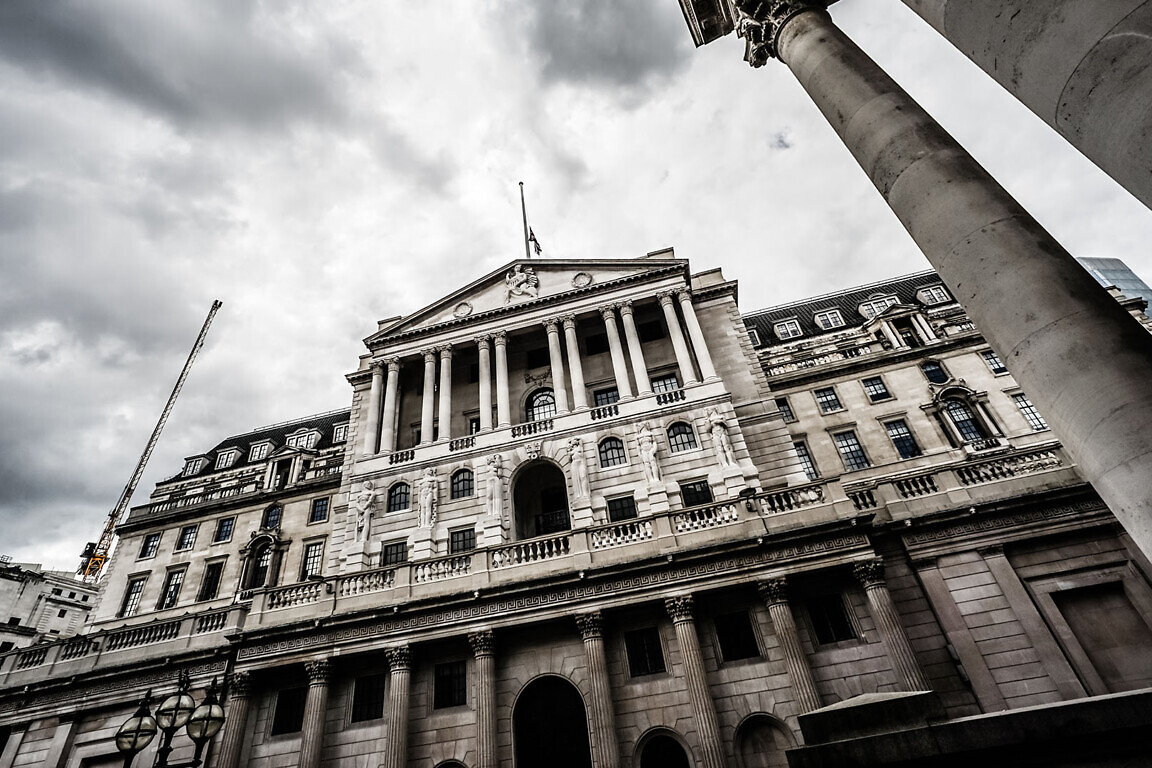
579 392
372 425
680 609
399 664
428 409
315 708
703 356
871 575
635 352
483 647
557 361
619 367
391 392
605 750
679 345
485 382
236 723
446 392
503 408
775 596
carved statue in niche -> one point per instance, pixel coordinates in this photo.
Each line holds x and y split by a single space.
521 281
494 492
579 468
720 439
648 449
365 506
428 486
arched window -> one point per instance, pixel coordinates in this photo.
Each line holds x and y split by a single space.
463 484
934 372
261 565
399 497
966 422
681 437
612 452
541 405
272 517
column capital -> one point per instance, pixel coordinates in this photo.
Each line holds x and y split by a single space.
774 591
482 642
552 325
679 607
446 352
608 312
870 572
483 339
399 658
569 321
429 355
393 364
665 298
684 293
376 366
500 338
591 624
240 684
319 671
625 307
759 22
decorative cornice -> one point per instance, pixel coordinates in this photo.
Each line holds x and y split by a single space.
679 607
482 642
399 658
987 525
591 625
774 591
870 573
319 671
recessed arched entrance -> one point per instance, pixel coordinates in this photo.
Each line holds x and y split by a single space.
663 751
761 741
540 496
550 726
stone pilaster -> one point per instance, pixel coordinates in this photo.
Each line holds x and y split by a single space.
428 404
680 609
619 367
871 576
315 709
446 392
483 647
236 723
605 750
400 664
579 392
676 333
635 352
775 596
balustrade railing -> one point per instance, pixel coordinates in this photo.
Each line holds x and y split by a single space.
533 427
863 499
130 637
671 396
210 622
441 568
295 594
911 487
789 499
620 534
399 457
705 517
1008 466
815 361
604 411
200 498
365 582
460 443
531 551
32 657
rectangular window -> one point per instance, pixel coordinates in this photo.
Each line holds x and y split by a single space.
187 538
874 387
132 595
806 460
289 714
226 459
829 319
665 383
695 492
368 698
224 528
870 309
340 433
934 295
394 553
850 451
829 617
736 636
1035 420
319 511
596 344
473 425
754 337
461 540
450 685
605 397
785 409
313 561
902 439
645 655
993 361
259 451
787 329
149 546
651 330
827 400
193 466
170 594
621 508
210 585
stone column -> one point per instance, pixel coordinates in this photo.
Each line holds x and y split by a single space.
703 356
446 392
1079 355
484 650
579 392
605 750
635 352
482 344
503 409
680 609
1083 68
315 709
619 367
391 393
925 327
679 346
427 411
399 665
236 724
557 361
775 596
871 575
372 425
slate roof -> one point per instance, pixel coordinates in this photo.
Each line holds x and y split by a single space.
847 301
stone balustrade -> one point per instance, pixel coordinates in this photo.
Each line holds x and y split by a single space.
620 534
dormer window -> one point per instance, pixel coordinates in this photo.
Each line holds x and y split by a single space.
876 305
259 451
192 466
226 459
829 319
303 439
787 329
340 433
935 294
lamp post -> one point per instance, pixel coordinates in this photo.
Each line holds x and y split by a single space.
178 710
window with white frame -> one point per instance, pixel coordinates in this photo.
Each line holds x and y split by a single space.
829 319
851 452
681 437
340 433
827 400
612 452
1035 420
132 593
902 439
541 405
806 461
874 306
875 389
993 361
149 545
665 383
225 459
933 294
313 560
187 538
192 466
303 439
787 329
259 451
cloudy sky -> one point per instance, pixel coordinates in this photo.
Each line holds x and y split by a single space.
318 166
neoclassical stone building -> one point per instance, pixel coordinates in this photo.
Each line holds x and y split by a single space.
586 513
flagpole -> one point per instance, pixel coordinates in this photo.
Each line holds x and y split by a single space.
524 215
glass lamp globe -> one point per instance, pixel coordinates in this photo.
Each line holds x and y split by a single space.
175 710
136 733
206 721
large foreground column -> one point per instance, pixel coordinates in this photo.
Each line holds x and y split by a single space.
604 748
871 577
775 594
483 648
315 710
1081 357
707 724
1085 68
236 724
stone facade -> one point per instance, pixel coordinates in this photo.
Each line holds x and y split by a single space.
587 513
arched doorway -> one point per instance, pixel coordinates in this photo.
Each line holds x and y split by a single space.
540 495
663 751
550 726
761 741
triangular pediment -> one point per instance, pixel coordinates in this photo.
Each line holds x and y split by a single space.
526 283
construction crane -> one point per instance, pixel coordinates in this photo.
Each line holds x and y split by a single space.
95 553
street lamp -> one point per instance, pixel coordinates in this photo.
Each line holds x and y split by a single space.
137 731
178 710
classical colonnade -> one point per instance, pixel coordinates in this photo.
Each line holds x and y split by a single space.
384 392
598 698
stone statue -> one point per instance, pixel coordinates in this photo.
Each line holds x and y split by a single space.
365 505
521 281
648 448
720 438
428 487
579 468
494 492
